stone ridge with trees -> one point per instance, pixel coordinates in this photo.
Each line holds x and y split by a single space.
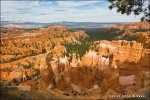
31 44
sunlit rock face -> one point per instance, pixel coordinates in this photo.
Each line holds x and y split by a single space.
123 51
135 25
55 71
74 61
107 47
4 75
99 60
125 80
46 74
58 50
145 57
60 68
89 57
78 34
111 49
54 66
59 64
92 59
79 63
64 60
28 85
103 47
104 61
24 77
15 76
113 63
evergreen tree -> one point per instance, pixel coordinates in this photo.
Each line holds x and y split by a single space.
132 6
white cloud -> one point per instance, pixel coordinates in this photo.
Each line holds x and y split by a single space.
46 3
49 2
75 3
35 3
2 16
61 11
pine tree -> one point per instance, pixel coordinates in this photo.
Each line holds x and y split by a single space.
132 6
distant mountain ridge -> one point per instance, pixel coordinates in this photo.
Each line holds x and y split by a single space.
30 25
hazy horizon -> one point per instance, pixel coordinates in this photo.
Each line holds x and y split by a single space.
58 11
18 21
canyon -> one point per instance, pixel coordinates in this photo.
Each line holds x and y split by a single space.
39 61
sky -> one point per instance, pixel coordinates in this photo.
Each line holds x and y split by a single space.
57 11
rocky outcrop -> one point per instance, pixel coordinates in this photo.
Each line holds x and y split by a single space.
75 87
92 59
132 30
133 26
55 29
127 80
98 70
4 75
126 51
58 50
64 61
46 74
38 41
74 61
11 30
28 85
15 76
